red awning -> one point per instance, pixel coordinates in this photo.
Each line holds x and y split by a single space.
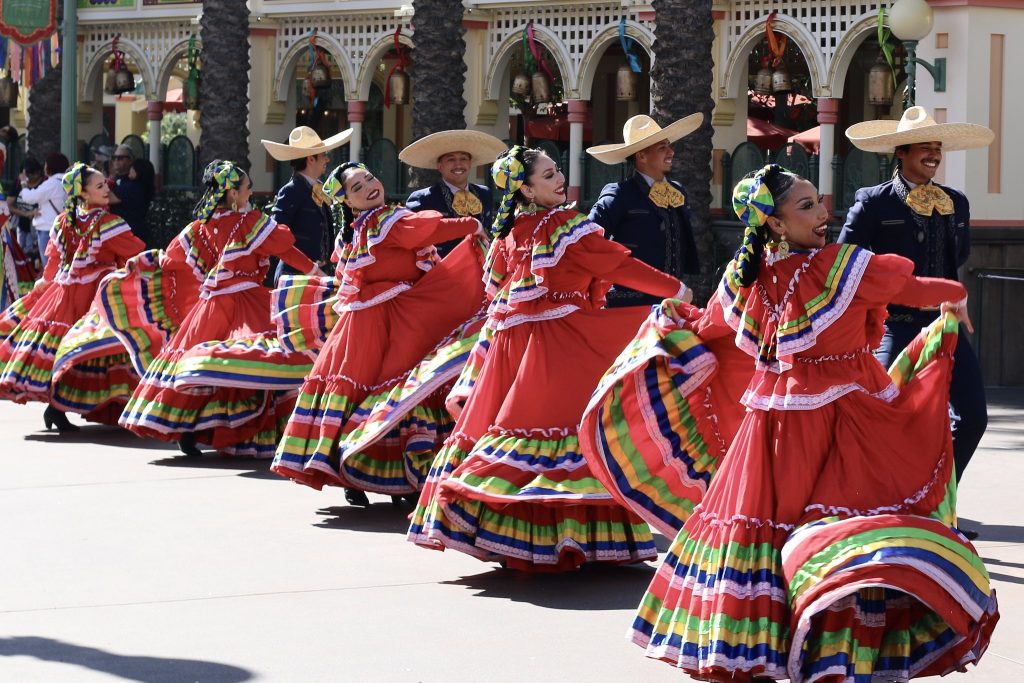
810 139
767 135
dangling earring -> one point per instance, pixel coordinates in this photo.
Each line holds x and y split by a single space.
531 207
783 247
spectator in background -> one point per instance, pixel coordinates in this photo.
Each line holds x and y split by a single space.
29 178
49 198
128 198
101 158
143 173
8 137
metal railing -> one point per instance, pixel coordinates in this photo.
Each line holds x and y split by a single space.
986 274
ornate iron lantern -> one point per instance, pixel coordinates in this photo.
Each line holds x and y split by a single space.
880 86
625 84
8 92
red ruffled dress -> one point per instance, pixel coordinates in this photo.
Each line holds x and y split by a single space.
823 549
16 272
396 304
80 252
224 375
511 484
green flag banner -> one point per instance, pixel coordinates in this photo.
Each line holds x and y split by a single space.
28 21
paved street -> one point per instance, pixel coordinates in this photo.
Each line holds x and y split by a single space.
122 561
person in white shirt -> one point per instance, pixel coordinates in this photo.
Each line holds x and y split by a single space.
48 197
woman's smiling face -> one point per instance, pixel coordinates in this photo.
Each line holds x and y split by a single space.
801 218
363 190
546 185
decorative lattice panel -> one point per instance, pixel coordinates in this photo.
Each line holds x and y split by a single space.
154 39
826 20
355 33
575 26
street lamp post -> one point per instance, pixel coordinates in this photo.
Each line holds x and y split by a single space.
910 21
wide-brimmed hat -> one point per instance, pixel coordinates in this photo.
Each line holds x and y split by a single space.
481 147
304 142
640 132
916 125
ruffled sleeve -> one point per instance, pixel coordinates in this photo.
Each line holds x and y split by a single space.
890 278
281 242
422 229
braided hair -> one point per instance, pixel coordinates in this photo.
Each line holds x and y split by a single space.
510 172
755 198
219 177
334 186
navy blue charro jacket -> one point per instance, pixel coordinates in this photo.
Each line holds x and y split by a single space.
662 238
438 197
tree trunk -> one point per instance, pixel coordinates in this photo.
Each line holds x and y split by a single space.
224 88
438 75
682 75
44 116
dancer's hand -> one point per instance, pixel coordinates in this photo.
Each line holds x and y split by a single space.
959 309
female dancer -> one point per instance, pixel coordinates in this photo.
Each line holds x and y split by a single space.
395 303
823 549
223 379
86 243
16 273
510 484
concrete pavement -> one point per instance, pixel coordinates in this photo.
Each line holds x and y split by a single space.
122 561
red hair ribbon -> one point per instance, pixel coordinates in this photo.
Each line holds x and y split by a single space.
776 45
401 63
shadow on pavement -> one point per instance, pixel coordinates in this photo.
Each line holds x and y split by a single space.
98 434
994 532
378 518
128 667
593 587
214 462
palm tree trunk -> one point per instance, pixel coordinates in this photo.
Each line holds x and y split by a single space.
44 115
683 75
224 88
438 74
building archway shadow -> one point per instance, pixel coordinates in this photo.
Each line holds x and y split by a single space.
593 587
128 667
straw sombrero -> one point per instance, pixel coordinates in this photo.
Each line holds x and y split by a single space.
481 147
917 126
640 132
304 142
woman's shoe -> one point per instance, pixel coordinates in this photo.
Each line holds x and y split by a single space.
357 497
56 418
187 445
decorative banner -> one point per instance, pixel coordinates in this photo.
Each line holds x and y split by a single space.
627 47
777 46
28 21
106 4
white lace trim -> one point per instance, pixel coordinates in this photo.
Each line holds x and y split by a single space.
756 401
386 295
550 314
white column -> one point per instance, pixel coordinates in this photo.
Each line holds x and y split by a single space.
577 116
828 114
356 116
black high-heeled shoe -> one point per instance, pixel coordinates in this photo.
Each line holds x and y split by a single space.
56 418
357 497
187 445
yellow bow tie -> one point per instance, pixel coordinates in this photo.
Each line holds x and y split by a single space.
466 203
664 195
924 199
319 196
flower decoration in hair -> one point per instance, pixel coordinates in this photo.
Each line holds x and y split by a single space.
334 186
71 182
752 200
226 175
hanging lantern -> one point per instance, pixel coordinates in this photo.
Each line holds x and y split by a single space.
398 83
880 87
8 92
541 87
320 76
521 86
119 78
780 80
763 81
124 81
625 84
